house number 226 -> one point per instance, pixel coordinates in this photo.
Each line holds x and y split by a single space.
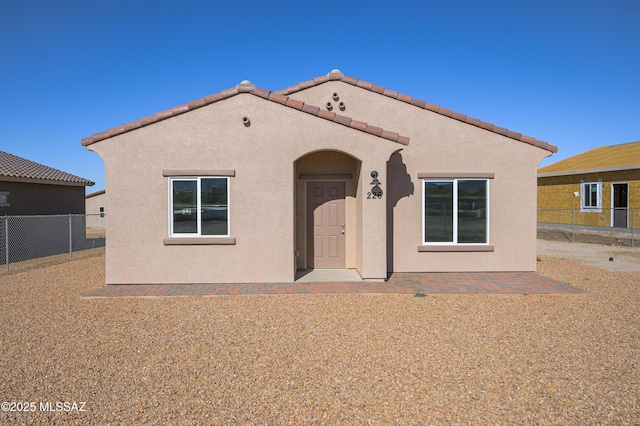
376 193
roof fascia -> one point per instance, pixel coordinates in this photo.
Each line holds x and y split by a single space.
585 172
95 194
44 181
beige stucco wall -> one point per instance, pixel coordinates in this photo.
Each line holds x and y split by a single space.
267 193
442 145
262 196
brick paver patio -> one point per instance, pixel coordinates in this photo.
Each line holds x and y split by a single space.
398 283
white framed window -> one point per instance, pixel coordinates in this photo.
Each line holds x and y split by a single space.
591 197
199 206
455 211
4 199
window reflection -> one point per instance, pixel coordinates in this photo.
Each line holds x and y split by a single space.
438 212
456 211
214 208
203 212
185 206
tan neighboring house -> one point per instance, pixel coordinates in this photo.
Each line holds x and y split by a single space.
252 185
600 187
30 188
95 207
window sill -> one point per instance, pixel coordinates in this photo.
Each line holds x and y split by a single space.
455 248
188 241
591 210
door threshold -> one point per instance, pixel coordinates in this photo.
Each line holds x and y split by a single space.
327 275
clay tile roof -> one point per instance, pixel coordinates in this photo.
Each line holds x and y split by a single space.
95 194
277 97
624 156
13 167
337 75
281 96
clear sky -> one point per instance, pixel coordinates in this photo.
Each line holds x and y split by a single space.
566 72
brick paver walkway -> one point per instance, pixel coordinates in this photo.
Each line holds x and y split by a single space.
399 283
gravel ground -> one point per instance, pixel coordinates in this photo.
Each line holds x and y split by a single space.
609 257
320 359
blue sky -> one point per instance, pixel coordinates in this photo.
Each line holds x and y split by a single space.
563 71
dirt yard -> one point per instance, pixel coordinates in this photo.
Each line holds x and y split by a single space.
321 359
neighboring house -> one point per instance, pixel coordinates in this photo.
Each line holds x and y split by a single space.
30 188
250 185
95 208
33 200
595 188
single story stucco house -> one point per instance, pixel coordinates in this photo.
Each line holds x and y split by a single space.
252 185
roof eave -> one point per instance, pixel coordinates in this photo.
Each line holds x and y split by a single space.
586 172
44 181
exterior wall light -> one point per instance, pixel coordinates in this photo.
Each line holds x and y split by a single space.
375 181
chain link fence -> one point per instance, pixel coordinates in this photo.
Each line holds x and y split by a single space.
619 225
24 238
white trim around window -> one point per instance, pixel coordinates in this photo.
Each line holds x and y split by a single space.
455 214
198 209
591 197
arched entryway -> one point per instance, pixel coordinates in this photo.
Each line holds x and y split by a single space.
327 211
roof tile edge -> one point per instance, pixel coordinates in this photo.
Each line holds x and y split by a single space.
273 96
339 76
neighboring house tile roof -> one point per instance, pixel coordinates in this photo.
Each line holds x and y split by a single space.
14 168
624 156
282 98
337 75
95 194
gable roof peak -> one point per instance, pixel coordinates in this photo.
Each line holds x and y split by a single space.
245 86
337 75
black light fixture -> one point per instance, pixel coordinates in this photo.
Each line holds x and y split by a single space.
375 180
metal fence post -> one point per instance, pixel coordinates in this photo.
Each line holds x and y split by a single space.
573 225
6 241
70 240
633 225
